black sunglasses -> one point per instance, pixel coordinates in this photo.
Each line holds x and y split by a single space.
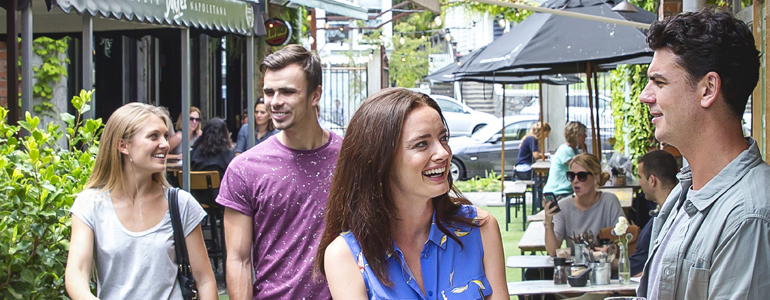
581 176
195 119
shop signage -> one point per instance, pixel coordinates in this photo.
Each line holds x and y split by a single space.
278 32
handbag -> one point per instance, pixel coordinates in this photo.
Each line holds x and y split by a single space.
184 276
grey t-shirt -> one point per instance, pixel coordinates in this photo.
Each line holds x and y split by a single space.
603 214
129 264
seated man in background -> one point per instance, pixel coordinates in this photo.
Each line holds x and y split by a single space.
657 177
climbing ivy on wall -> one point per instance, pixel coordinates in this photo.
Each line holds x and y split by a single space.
51 71
633 122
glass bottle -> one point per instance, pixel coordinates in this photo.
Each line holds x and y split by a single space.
624 266
560 270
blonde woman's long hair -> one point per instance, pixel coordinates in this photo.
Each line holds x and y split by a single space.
592 165
123 124
537 131
572 132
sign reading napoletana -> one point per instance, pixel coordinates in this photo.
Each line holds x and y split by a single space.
224 15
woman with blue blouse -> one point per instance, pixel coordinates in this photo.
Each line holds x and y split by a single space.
393 230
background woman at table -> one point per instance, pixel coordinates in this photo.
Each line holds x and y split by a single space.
175 141
121 220
212 151
529 151
264 127
588 209
575 135
392 229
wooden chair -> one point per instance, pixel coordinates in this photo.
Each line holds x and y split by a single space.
606 233
204 186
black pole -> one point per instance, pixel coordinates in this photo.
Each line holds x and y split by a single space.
12 42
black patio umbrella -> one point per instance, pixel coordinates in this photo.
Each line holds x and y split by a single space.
564 44
515 76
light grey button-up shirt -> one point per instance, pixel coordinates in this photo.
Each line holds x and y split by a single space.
724 251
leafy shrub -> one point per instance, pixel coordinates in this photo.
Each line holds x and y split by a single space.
477 184
38 182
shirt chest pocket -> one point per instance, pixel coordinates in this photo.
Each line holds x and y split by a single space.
473 289
697 280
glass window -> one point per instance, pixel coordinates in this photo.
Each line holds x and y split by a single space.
517 131
449 106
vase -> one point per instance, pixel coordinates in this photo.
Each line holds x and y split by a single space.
624 266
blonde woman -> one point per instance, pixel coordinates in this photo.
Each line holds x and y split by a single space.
121 220
575 134
588 209
529 151
175 141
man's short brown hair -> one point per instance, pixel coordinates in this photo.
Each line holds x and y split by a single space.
295 54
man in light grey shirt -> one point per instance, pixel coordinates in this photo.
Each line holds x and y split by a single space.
711 238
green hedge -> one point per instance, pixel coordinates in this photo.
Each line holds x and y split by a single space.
38 183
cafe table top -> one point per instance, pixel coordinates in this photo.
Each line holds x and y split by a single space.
533 238
529 261
547 287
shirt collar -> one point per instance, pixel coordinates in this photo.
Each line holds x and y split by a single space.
726 178
435 236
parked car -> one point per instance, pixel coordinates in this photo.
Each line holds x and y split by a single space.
480 153
579 110
461 119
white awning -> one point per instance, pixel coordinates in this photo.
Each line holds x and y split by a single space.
339 7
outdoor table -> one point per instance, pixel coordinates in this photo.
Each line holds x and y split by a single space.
529 261
547 287
625 194
533 239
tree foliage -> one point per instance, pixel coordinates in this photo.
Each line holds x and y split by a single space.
409 61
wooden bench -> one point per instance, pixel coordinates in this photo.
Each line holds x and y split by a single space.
514 196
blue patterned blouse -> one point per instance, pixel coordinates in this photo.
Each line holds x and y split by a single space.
448 270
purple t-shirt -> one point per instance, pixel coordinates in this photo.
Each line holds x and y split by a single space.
285 190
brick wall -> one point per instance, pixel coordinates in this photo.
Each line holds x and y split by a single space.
3 76
669 8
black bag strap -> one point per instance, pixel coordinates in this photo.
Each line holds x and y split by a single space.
180 247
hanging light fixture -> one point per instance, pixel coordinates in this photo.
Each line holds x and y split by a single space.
403 58
459 63
342 28
310 15
624 6
516 11
326 25
402 40
371 54
431 62
448 36
423 35
310 39
437 20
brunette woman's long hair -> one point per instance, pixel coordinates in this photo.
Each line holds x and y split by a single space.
215 138
360 198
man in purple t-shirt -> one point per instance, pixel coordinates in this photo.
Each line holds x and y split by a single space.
275 193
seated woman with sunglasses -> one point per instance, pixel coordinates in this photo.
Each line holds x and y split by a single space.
587 209
175 140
